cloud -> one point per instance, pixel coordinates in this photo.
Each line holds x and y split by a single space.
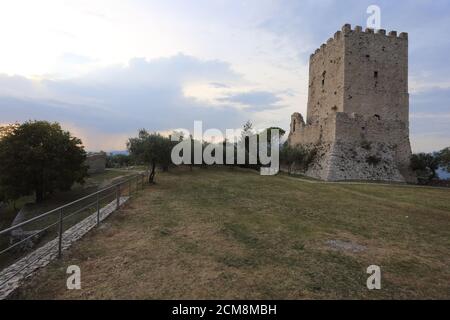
73 58
274 41
424 142
430 120
219 85
256 100
121 99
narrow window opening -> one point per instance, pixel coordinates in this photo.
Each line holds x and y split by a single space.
293 126
375 74
377 116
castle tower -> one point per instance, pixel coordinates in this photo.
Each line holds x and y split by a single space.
358 107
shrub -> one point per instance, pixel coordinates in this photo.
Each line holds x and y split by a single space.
299 155
425 166
444 159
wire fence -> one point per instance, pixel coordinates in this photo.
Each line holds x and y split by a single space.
22 238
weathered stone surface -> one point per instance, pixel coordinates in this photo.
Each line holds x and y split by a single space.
12 276
358 108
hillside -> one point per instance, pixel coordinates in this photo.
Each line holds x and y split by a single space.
230 233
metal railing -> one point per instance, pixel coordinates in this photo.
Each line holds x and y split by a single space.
15 240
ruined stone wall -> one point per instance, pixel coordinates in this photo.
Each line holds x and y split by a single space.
318 132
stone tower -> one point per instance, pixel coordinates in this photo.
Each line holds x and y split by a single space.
358 108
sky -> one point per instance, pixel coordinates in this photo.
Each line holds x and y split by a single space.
106 68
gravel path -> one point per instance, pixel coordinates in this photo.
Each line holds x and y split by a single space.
12 276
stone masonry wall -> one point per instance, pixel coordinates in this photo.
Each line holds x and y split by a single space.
358 108
326 80
376 74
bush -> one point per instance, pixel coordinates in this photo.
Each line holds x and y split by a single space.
118 160
425 166
297 156
444 159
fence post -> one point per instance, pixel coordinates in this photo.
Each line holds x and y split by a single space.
98 211
60 235
118 196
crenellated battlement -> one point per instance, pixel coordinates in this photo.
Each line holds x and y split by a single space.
347 30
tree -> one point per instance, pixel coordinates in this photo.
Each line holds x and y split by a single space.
425 166
297 155
39 157
269 133
118 160
444 159
152 149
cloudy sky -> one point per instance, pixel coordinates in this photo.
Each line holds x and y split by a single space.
107 68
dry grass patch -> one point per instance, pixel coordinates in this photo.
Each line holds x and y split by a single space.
224 233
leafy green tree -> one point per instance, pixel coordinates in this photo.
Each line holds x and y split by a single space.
297 155
39 157
118 160
425 166
269 133
444 159
152 149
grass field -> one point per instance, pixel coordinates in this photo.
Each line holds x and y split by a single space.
230 233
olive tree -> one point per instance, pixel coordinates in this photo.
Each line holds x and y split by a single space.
152 149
